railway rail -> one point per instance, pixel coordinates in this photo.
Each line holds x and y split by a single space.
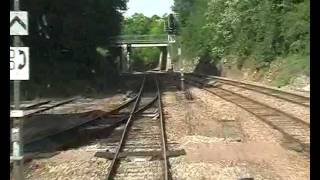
292 128
93 118
32 106
142 135
44 106
40 107
287 96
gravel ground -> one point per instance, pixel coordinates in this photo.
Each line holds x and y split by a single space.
80 163
74 163
304 92
71 164
253 129
287 165
296 110
88 104
205 113
67 116
174 117
182 169
197 126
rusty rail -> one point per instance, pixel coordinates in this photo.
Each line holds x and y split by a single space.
166 174
287 96
135 106
285 123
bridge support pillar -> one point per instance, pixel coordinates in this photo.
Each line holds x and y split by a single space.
123 59
125 62
119 63
168 61
162 58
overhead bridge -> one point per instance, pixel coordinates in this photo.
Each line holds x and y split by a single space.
127 42
144 45
141 40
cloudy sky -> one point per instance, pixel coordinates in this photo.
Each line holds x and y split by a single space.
149 7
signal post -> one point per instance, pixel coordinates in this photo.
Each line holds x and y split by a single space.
19 70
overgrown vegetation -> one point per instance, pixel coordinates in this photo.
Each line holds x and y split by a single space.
264 30
138 24
64 37
293 64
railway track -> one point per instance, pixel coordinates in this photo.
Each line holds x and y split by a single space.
287 96
32 106
43 106
145 135
293 129
93 118
142 135
40 107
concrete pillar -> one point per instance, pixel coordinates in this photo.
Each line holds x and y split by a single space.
164 59
160 59
169 62
118 61
124 64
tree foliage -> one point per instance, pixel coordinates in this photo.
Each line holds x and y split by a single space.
138 24
64 37
263 29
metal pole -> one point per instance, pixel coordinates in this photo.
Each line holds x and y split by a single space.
181 69
160 58
182 80
17 122
169 60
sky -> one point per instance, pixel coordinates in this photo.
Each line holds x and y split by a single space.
149 7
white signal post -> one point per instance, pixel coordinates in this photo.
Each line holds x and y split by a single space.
181 69
19 70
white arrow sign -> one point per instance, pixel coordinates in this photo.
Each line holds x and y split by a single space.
19 63
19 23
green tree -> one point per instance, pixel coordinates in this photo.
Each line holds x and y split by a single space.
138 24
64 36
263 29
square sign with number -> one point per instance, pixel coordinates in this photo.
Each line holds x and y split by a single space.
19 63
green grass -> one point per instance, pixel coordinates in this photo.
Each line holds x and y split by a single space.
293 66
